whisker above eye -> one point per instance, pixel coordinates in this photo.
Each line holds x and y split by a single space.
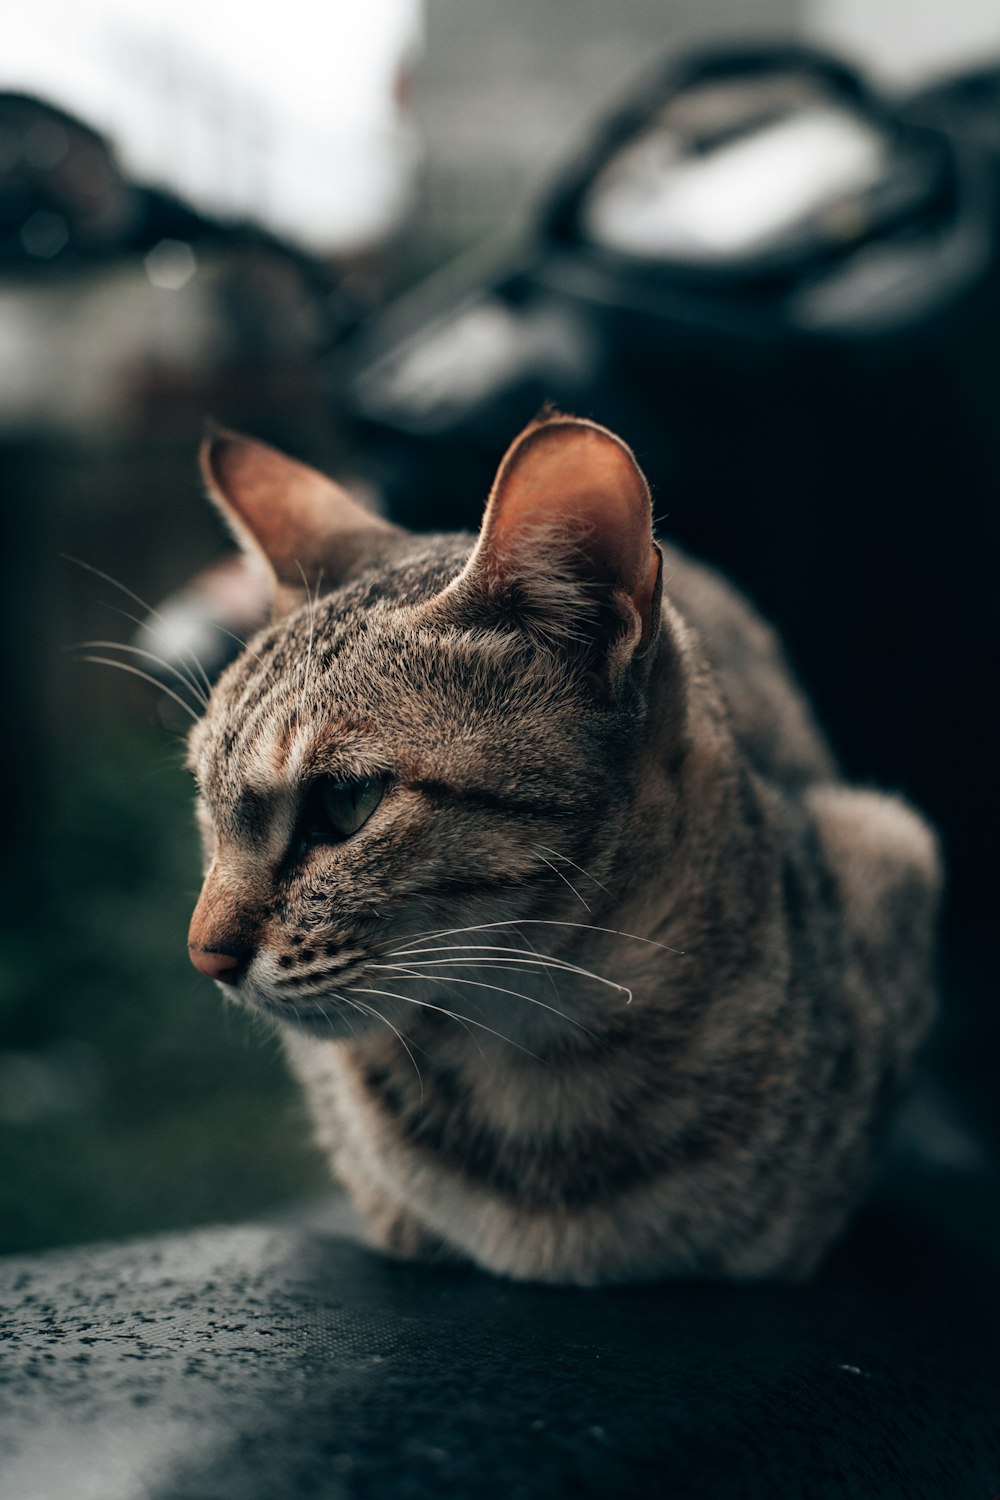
136 599
161 635
167 666
107 661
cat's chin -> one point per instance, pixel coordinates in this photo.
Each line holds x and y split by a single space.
323 1026
326 1020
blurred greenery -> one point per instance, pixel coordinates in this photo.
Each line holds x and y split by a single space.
132 1099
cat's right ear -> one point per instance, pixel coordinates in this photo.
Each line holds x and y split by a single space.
303 531
566 553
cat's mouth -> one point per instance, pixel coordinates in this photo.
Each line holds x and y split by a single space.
480 977
332 1020
332 1017
320 1004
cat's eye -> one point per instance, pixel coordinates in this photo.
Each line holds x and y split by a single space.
334 810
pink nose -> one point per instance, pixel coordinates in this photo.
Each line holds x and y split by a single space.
226 967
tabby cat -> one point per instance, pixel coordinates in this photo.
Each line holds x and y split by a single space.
590 965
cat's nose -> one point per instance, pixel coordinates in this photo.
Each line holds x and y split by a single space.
225 967
223 935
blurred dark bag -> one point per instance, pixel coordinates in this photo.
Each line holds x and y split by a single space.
783 292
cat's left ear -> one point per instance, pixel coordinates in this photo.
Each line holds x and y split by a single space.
306 531
566 549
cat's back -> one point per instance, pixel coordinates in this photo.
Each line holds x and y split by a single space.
770 716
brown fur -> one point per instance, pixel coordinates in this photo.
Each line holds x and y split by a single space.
638 977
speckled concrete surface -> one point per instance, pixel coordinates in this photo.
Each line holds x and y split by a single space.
286 1360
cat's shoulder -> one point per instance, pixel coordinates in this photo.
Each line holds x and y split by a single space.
770 715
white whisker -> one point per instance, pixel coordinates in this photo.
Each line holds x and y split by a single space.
547 970
371 1011
565 878
439 982
426 1005
558 855
535 960
500 990
355 1007
313 602
231 634
161 635
136 599
182 676
107 661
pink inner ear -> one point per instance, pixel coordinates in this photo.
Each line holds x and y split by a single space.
577 478
281 503
302 523
256 483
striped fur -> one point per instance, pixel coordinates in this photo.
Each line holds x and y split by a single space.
619 980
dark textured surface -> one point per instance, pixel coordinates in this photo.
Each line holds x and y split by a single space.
287 1360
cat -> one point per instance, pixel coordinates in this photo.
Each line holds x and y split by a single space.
590 965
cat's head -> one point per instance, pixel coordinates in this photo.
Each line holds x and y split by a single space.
433 734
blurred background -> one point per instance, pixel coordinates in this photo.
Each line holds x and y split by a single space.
758 239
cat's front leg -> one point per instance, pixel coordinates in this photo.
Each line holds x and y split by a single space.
396 1231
